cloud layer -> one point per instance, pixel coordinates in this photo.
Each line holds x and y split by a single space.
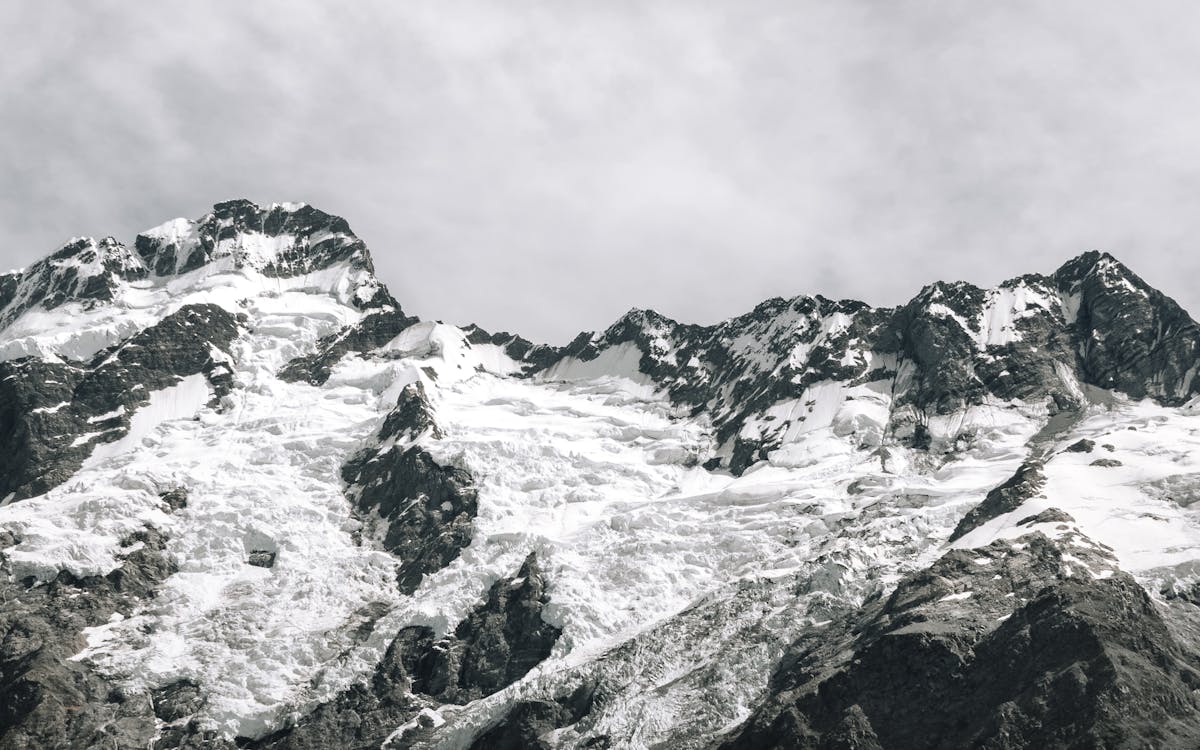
542 167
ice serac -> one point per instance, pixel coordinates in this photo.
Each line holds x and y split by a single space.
499 642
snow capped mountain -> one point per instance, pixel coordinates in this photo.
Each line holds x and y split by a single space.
250 502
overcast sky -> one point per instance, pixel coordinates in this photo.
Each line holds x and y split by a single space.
544 166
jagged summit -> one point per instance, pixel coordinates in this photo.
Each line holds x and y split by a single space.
284 239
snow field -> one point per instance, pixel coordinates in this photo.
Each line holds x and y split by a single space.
1139 508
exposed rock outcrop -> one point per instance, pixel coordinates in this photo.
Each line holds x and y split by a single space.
1008 646
46 698
1026 483
370 333
83 270
428 509
423 511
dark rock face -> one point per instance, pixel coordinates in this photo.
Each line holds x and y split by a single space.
1106 463
1032 657
175 499
1026 483
1132 338
428 509
411 417
1050 515
498 643
176 701
47 700
261 558
527 721
52 415
370 333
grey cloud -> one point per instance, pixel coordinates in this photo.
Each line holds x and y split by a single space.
543 166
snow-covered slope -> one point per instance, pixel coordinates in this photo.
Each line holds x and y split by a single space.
251 503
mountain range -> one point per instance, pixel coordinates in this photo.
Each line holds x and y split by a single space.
249 501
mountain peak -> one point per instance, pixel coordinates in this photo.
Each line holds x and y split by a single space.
284 239
1093 263
239 250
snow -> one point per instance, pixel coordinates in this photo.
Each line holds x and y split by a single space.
1002 309
621 361
1007 305
179 401
107 416
52 409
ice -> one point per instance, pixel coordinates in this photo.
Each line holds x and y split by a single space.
599 475
961 596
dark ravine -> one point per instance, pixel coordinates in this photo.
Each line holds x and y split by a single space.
47 408
496 645
1034 657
